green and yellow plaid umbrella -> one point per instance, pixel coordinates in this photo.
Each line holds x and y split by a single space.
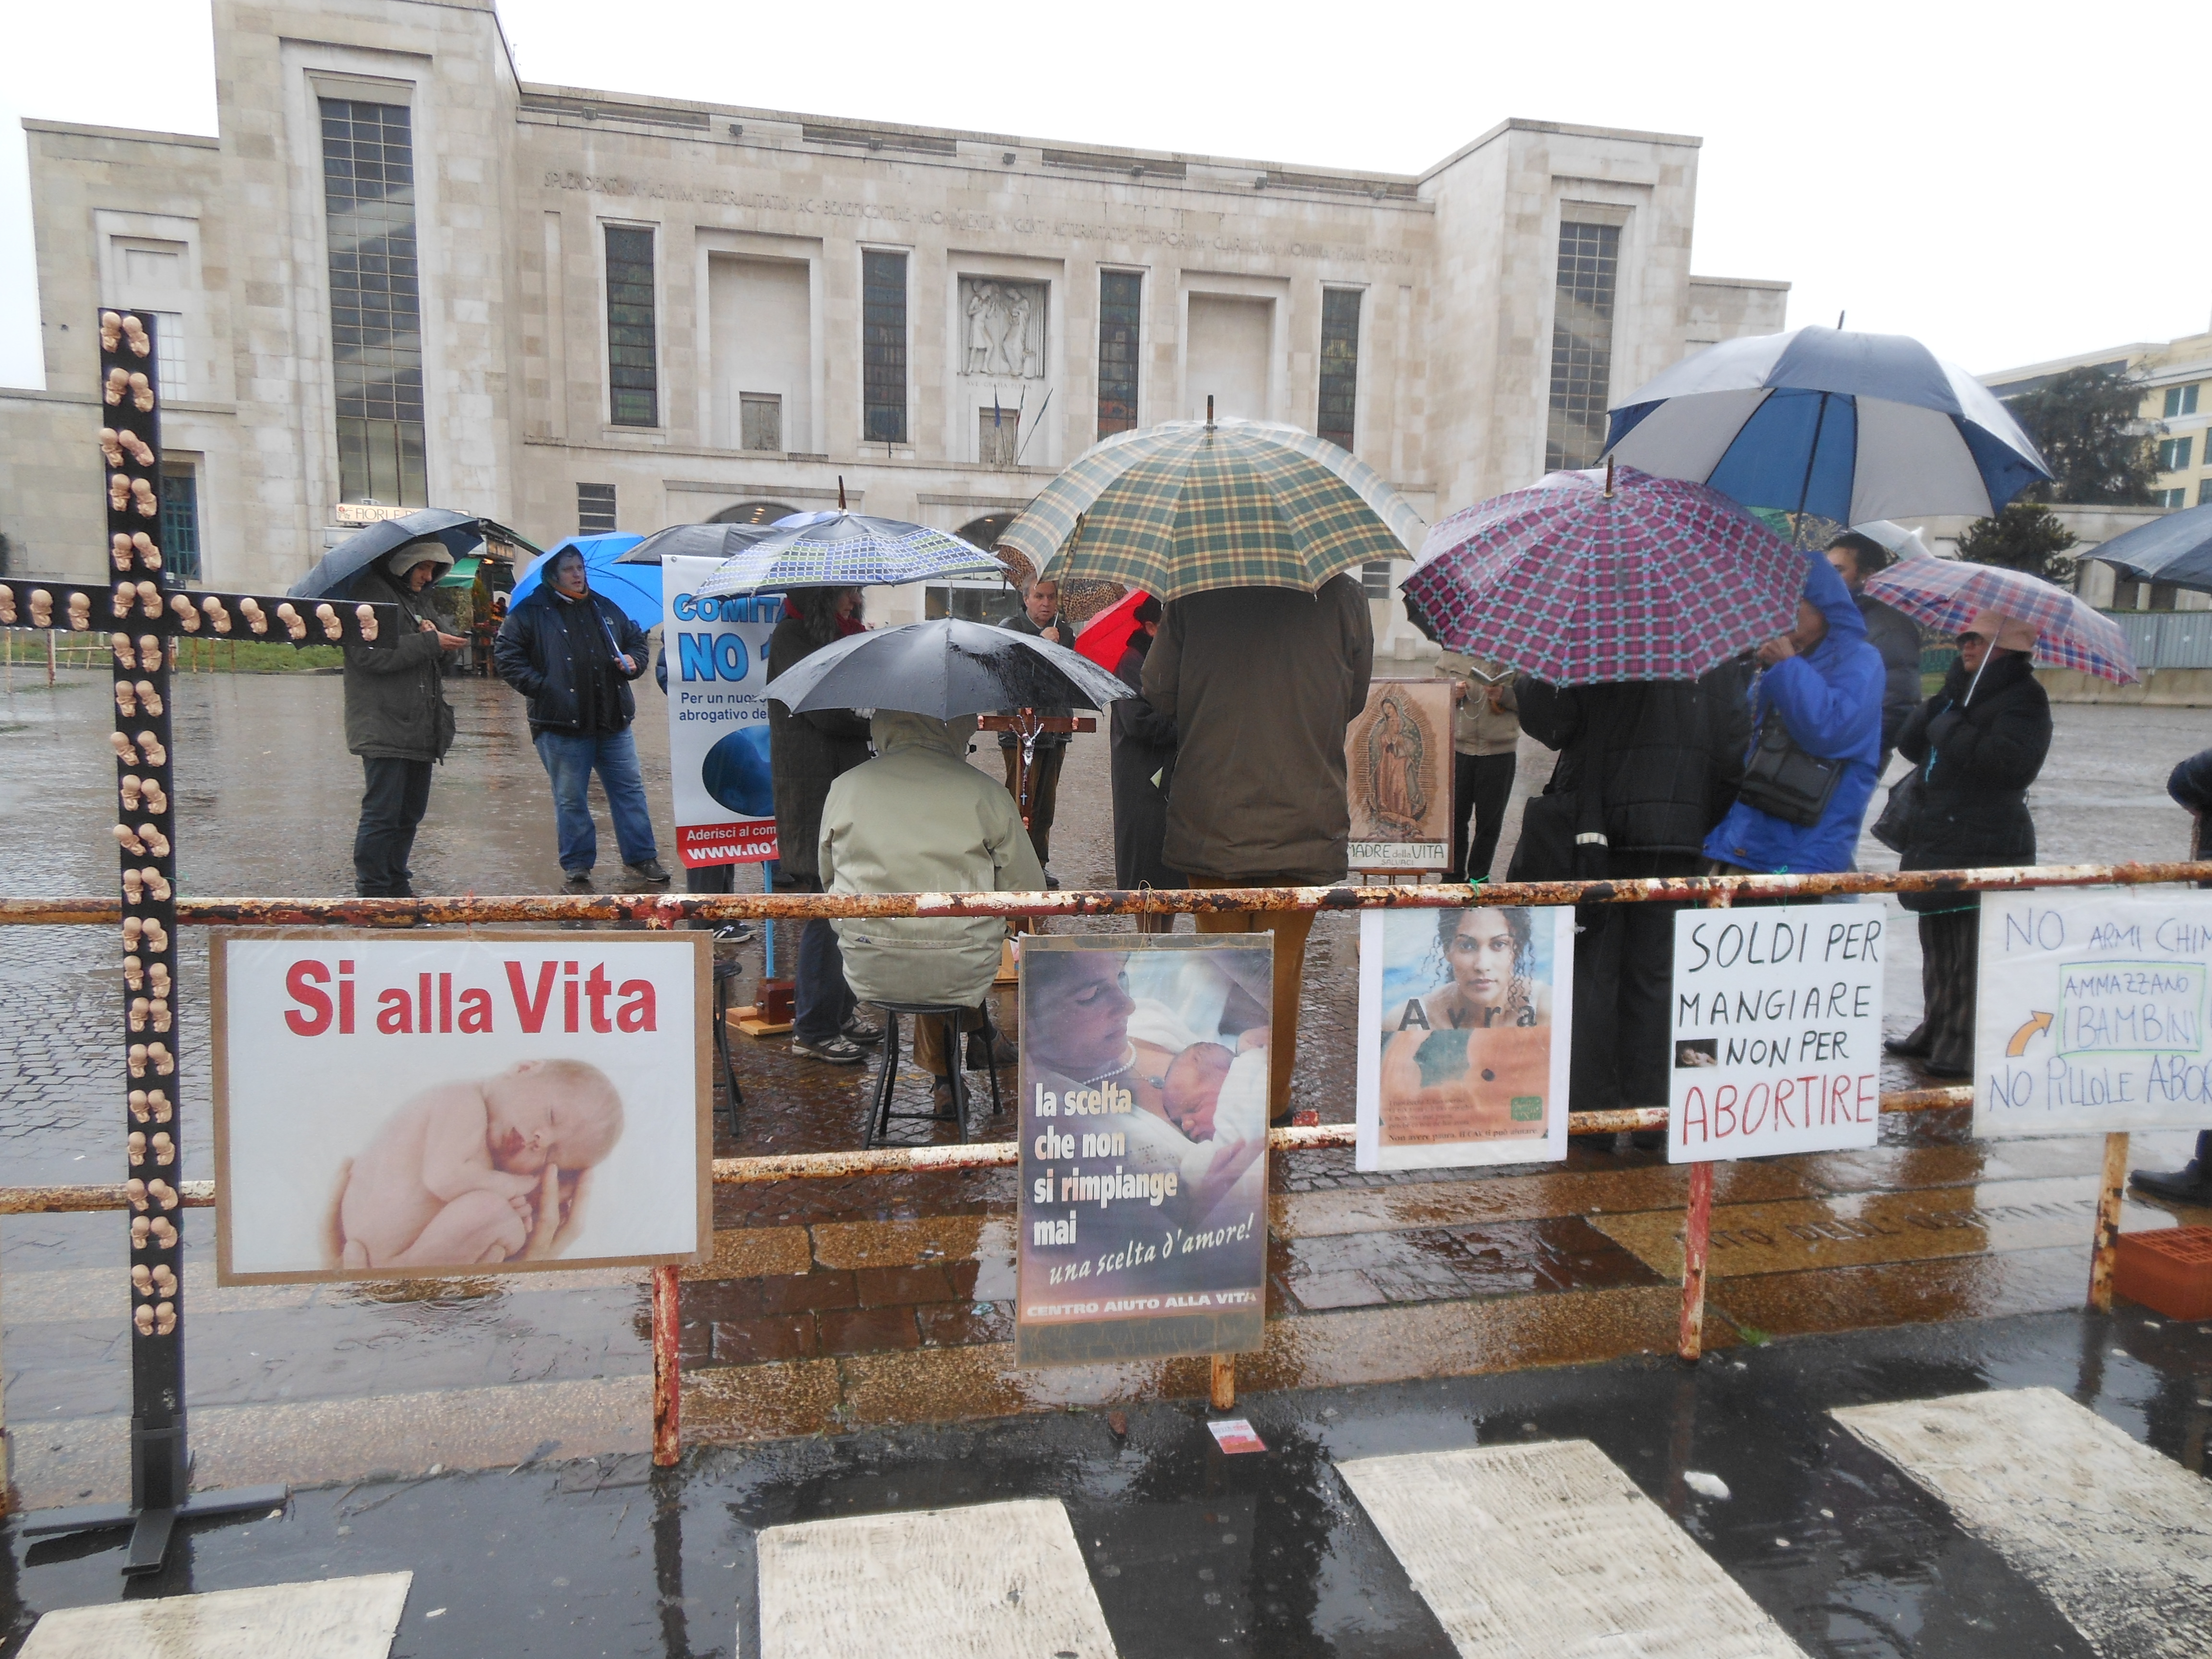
1193 504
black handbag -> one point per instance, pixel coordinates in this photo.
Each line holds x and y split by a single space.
1899 812
1562 835
1782 781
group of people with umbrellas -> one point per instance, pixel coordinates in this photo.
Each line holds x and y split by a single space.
1709 688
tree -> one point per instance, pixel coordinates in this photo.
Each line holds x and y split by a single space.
2027 535
2101 451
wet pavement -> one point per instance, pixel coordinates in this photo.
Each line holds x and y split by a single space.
847 1307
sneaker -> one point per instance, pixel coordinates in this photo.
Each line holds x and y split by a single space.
733 932
839 1050
650 871
576 881
859 1030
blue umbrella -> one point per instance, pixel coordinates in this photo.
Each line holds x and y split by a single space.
847 549
2175 549
460 533
1849 426
634 587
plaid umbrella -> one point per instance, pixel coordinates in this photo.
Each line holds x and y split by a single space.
846 549
1945 593
1190 505
1577 582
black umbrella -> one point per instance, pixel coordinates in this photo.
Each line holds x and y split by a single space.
945 668
696 541
460 532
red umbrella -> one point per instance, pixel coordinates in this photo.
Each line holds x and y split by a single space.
1107 636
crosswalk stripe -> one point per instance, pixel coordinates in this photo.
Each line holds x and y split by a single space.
330 1617
2119 1537
1551 1550
989 1581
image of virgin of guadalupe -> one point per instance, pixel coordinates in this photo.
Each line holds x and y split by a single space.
1470 1059
1396 750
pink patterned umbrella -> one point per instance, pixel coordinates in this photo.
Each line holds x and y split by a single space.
1577 580
1945 593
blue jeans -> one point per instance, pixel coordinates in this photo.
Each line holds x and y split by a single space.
569 758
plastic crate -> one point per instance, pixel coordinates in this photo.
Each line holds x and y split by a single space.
2168 1270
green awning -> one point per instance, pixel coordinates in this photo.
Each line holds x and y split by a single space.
463 575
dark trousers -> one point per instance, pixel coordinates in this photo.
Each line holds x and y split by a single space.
1950 949
395 795
1481 784
822 1001
1623 975
1044 792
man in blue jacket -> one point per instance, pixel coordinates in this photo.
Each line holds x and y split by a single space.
1822 684
574 654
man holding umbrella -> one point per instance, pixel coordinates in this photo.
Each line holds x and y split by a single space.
572 653
397 717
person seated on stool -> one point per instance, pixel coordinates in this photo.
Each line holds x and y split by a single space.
918 818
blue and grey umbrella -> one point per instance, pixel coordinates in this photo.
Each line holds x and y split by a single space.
945 668
1849 426
460 533
846 549
2175 549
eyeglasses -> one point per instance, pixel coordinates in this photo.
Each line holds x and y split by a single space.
1974 638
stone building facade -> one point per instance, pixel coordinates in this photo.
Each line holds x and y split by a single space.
401 273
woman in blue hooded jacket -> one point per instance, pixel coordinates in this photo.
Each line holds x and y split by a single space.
1823 682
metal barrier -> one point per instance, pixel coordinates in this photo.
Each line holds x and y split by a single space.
662 911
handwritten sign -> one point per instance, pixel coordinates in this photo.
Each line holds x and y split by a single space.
1777 1032
2091 1012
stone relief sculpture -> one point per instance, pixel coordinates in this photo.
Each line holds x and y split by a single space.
1002 327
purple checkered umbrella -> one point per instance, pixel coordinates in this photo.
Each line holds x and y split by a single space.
1577 581
1944 594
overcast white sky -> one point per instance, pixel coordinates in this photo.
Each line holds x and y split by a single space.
2009 184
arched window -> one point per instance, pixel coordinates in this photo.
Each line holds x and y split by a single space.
755 513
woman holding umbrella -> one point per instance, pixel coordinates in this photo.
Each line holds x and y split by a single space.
1978 743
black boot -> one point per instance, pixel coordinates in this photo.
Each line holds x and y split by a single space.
2189 1184
1909 1048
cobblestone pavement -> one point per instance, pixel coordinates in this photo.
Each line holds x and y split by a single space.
833 1303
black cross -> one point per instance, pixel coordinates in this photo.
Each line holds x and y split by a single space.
142 616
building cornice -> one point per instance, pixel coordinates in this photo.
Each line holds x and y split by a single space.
123 134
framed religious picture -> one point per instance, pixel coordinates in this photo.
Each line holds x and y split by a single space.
1398 763
1144 1138
1465 1018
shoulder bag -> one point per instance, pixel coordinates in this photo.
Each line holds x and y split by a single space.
1782 781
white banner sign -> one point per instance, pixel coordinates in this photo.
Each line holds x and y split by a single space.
423 1105
718 753
2090 1014
1777 1032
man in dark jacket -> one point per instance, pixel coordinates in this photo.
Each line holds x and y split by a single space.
1670 754
807 753
1980 742
1261 684
2190 783
1039 617
397 717
1143 748
574 654
1888 630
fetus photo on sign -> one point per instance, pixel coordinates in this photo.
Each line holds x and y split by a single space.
413 1108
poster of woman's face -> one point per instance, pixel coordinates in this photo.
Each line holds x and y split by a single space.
1463 1036
1144 1102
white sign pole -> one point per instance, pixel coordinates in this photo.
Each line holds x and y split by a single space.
1777 1032
718 748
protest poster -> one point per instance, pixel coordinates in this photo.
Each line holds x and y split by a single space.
2090 1013
1398 761
1144 1137
431 1105
1464 1022
718 761
1777 1032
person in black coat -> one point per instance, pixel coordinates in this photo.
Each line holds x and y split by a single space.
807 753
1889 631
1978 742
1040 617
2190 785
1143 747
1673 755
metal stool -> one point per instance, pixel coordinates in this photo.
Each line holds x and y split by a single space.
880 1116
726 970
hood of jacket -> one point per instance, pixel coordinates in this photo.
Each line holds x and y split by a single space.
1825 589
893 729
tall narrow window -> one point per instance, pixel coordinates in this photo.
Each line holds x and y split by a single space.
1340 364
376 304
595 509
1581 344
181 519
633 379
1121 303
882 347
